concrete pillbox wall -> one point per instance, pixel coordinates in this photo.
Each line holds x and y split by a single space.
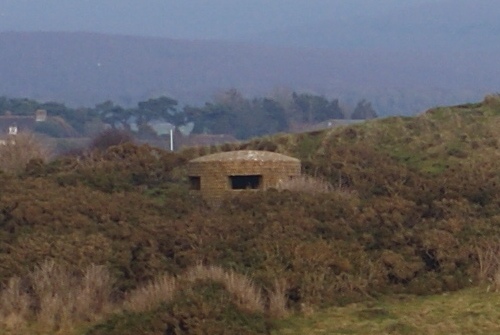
222 174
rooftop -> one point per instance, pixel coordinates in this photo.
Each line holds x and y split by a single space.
246 155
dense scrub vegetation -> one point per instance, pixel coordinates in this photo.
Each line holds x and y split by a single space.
413 205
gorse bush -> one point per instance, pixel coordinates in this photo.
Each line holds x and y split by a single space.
109 138
120 168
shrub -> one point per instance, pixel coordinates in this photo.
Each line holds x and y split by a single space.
110 137
492 100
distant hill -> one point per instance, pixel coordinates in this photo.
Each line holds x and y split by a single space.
447 25
82 69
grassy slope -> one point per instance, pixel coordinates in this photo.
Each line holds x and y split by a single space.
471 311
430 144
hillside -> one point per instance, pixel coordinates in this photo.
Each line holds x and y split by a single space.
412 208
82 69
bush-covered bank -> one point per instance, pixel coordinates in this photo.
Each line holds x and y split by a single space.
414 205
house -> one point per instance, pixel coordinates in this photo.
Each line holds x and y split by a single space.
12 124
39 121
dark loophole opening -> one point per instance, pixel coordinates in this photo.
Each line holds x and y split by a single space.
195 183
245 182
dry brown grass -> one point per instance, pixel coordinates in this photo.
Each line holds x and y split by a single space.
64 298
277 300
52 299
305 183
52 292
244 291
151 295
15 304
18 150
93 293
488 254
314 185
56 299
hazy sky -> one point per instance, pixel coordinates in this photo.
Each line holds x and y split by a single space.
195 19
457 37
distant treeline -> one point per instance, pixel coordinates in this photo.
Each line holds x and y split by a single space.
229 113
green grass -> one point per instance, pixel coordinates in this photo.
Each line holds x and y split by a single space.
471 311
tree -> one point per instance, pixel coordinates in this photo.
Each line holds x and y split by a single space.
233 114
314 108
114 115
363 110
18 106
212 118
335 111
270 117
162 108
